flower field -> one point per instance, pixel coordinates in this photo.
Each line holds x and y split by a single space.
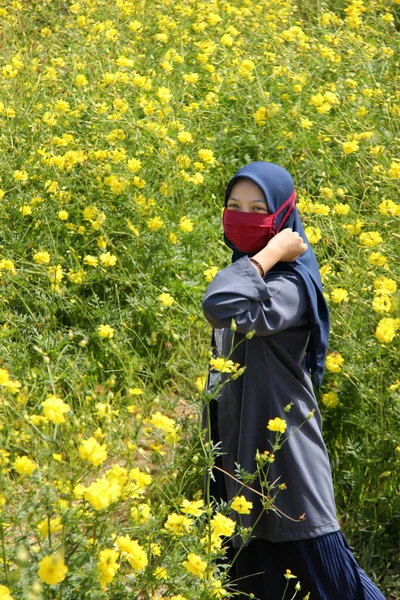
121 123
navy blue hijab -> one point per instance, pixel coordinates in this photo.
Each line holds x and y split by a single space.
277 185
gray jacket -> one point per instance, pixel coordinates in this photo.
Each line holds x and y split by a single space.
276 308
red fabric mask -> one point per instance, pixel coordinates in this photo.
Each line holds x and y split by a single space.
250 232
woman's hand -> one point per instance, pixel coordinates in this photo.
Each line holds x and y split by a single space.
287 245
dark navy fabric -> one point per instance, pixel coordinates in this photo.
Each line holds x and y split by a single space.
325 567
277 185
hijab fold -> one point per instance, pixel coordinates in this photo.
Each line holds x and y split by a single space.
277 186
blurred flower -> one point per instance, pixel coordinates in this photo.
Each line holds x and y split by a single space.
385 285
313 234
192 507
107 566
378 259
54 409
381 303
155 223
339 295
105 331
210 273
24 465
349 147
52 569
195 565
370 238
92 451
166 299
386 329
330 399
177 525
185 224
334 362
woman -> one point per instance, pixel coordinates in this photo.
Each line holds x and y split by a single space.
273 289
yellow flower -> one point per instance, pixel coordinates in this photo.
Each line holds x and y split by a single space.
334 362
241 505
226 40
52 569
289 574
388 207
394 169
193 507
354 228
166 299
306 123
100 493
381 303
107 566
24 465
116 135
92 451
386 329
107 259
185 137
223 365
173 238
155 223
21 175
178 525
378 259
330 399
185 224
91 261
260 115
370 238
195 565
339 295
41 258
5 593
277 424
210 273
105 331
201 382
25 210
164 94
207 156
54 409
43 527
313 234
62 215
81 80
385 285
222 525
140 513
349 147
162 422
341 208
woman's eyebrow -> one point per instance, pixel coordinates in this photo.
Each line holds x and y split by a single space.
237 199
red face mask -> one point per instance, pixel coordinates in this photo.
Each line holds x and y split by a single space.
251 232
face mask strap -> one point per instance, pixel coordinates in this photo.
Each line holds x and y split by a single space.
291 201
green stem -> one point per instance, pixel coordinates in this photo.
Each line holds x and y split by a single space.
3 549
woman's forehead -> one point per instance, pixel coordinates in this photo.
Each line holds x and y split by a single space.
244 184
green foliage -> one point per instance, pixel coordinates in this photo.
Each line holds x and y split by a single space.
97 172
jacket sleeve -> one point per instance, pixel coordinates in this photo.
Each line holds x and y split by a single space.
266 305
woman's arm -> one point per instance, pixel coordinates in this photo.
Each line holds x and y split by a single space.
265 305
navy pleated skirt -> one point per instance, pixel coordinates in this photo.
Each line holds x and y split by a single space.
324 566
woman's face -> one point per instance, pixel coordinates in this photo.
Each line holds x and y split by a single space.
246 196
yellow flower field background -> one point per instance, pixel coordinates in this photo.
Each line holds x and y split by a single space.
121 123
